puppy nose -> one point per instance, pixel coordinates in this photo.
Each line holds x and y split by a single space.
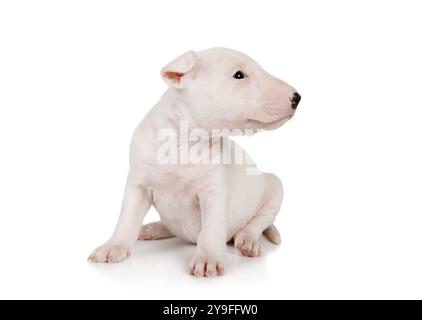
295 100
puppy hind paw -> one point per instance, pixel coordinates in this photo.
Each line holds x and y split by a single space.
152 231
247 245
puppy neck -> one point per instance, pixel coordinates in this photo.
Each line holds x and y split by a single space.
174 109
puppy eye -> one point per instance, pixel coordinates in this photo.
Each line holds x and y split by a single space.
239 75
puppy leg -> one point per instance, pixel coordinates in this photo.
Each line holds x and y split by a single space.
136 203
154 231
211 245
247 239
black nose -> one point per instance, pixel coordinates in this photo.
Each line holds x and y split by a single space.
295 100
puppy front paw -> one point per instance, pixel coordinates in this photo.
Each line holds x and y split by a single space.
110 253
204 266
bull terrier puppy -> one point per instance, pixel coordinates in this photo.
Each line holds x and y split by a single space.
199 194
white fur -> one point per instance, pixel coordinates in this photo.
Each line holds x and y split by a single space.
207 204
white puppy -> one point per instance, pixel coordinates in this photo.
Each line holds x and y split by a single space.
204 199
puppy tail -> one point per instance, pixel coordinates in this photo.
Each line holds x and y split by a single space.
272 234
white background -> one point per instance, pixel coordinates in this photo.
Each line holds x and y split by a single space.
77 76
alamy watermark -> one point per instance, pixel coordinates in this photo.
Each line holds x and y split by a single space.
199 146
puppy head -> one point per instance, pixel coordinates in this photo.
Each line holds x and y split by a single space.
224 88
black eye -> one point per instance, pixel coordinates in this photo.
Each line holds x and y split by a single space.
239 75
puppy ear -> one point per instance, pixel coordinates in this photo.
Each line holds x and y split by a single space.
174 72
